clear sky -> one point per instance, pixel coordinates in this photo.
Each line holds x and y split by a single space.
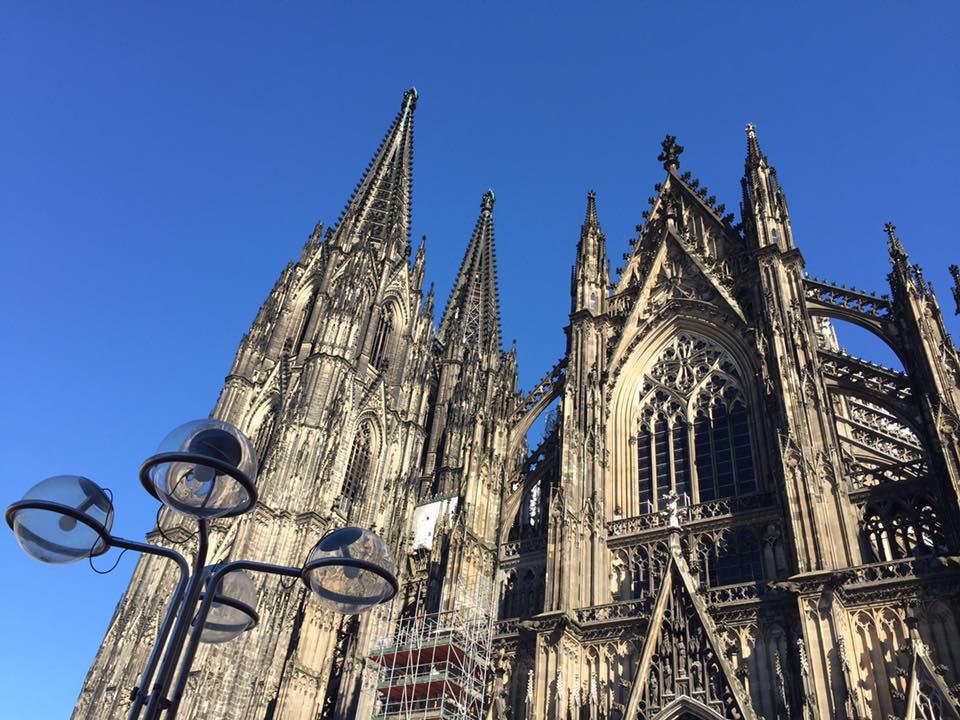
161 163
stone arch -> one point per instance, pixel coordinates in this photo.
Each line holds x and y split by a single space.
303 327
392 297
878 327
362 464
260 424
624 403
906 411
385 332
686 708
528 418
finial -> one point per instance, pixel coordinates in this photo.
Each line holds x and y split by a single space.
955 274
591 218
410 96
670 157
486 204
317 231
894 245
921 280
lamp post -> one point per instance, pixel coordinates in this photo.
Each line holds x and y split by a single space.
204 469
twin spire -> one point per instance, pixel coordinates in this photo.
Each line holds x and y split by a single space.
379 210
472 314
380 207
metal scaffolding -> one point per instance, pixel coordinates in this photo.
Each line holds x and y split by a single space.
435 666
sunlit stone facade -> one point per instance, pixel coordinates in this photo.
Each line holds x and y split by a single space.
727 517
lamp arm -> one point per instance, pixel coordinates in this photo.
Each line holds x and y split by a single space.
213 585
156 703
140 692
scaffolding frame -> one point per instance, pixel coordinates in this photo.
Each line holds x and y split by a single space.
435 666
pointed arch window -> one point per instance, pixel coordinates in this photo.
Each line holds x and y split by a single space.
358 469
264 434
733 559
694 430
381 339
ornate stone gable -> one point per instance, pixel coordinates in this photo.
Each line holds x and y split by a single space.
683 655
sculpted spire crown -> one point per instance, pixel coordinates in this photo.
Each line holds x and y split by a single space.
410 98
487 201
670 156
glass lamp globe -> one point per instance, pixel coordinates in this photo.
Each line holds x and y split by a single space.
204 469
232 610
351 570
54 537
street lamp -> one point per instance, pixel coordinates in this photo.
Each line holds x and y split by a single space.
204 469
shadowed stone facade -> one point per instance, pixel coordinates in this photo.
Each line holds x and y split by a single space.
728 516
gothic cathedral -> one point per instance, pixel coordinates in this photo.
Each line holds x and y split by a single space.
727 517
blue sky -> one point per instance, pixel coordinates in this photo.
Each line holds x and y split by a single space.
163 161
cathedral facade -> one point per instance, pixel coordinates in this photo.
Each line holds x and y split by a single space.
727 517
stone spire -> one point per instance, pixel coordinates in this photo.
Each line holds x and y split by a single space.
765 215
472 315
955 274
590 275
591 218
379 209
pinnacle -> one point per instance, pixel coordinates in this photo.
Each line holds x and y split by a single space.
410 96
895 247
754 154
591 218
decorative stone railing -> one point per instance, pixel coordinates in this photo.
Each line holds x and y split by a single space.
905 569
851 299
515 548
506 627
638 607
702 511
892 473
726 594
860 373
